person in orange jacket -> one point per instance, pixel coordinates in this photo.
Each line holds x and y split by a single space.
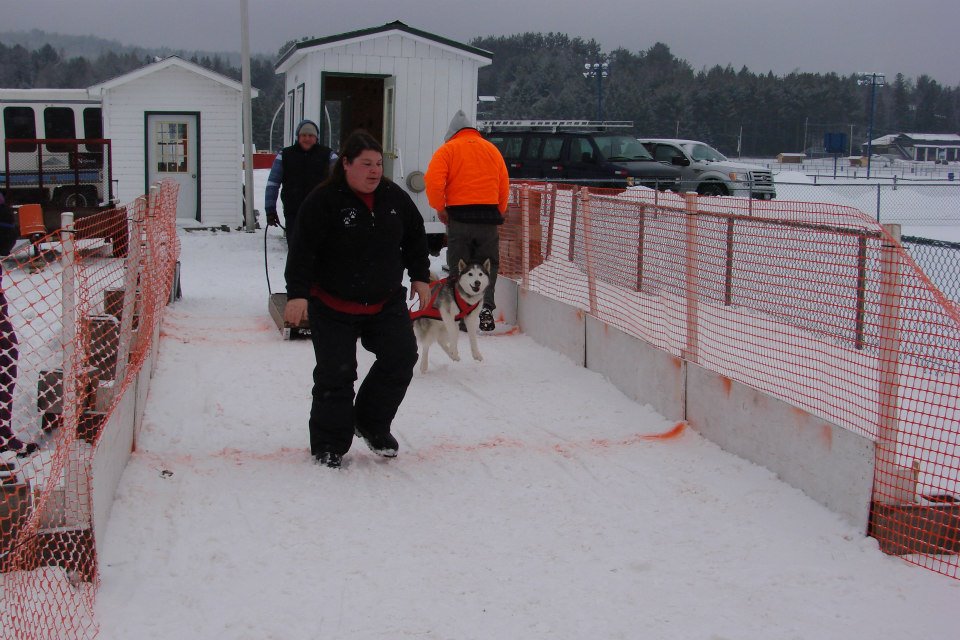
468 185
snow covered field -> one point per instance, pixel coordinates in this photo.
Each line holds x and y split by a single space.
531 499
926 210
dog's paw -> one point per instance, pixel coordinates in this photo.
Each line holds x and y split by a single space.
477 356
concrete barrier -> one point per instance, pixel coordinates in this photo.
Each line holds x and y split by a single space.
832 465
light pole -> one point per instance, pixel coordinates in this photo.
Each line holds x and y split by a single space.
874 80
598 70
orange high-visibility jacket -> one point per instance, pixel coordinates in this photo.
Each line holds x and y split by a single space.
467 170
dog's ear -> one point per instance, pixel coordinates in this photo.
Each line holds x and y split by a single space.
461 266
486 265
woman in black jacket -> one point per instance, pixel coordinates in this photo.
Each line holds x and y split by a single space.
356 236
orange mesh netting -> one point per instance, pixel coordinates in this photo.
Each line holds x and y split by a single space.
814 304
82 306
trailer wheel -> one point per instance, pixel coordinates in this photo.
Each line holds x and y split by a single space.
75 200
74 197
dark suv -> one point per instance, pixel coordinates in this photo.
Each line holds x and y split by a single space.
577 154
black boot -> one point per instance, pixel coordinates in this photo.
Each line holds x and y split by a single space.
328 459
383 445
486 319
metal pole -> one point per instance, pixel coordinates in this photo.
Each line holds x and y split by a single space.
273 122
878 202
873 101
598 70
599 95
251 223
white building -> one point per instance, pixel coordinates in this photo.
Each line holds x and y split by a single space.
400 84
175 119
923 147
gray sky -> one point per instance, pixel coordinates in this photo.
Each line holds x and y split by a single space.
890 36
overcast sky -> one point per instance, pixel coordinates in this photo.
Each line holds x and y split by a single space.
889 36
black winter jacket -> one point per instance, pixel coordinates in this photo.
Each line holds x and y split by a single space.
302 171
354 253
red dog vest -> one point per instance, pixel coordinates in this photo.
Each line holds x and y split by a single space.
431 311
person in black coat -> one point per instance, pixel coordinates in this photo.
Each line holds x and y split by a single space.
356 235
8 346
296 170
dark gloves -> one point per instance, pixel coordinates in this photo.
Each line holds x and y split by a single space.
273 220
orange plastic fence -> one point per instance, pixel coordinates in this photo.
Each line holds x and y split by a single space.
814 304
81 305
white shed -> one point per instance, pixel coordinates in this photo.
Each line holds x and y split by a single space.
401 84
175 119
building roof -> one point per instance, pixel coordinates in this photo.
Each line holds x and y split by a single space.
949 138
171 61
298 49
919 139
46 95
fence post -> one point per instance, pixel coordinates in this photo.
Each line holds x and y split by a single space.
76 486
728 269
861 297
691 268
550 192
892 483
574 204
525 236
128 308
641 240
587 212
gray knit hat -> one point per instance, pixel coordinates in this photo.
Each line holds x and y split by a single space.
459 121
307 127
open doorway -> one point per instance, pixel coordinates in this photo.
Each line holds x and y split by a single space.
350 103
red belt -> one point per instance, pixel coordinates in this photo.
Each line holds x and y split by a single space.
346 306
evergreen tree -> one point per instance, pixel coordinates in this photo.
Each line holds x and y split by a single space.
537 75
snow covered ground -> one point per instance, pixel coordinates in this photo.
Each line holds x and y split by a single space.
531 499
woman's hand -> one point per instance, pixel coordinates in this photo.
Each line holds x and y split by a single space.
295 312
422 291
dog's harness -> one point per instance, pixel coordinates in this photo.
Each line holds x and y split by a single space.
433 312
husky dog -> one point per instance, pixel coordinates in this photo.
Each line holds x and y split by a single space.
452 299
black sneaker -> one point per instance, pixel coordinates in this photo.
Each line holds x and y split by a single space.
383 445
486 319
329 459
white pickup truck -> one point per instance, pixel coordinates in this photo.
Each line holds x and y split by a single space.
708 172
